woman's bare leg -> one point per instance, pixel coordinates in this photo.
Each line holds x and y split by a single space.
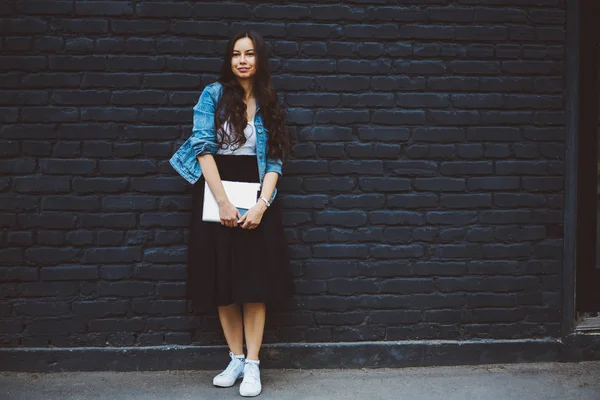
254 327
233 327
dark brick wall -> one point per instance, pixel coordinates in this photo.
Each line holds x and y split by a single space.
424 201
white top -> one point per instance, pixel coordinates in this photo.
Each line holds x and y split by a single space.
248 149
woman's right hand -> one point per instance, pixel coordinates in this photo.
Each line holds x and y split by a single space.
229 215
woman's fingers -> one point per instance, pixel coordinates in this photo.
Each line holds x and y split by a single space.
233 217
229 222
241 219
248 224
230 216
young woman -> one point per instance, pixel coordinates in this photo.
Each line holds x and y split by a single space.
240 265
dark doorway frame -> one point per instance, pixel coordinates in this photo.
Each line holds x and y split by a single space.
587 284
581 144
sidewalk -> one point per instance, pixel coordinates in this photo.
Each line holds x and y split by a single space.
541 381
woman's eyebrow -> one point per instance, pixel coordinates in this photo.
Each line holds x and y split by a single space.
246 51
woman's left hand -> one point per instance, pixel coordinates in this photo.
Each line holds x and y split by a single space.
251 219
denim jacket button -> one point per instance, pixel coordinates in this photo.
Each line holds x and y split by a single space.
259 130
260 156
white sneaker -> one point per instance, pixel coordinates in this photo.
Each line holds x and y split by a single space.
232 373
251 386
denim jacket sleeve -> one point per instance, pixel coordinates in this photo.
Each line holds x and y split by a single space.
274 165
203 139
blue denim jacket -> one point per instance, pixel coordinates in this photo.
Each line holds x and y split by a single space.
203 139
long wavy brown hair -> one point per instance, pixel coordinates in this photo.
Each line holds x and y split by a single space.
232 108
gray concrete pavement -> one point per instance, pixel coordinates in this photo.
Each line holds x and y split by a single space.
547 381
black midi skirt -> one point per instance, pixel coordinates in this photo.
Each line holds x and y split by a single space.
236 265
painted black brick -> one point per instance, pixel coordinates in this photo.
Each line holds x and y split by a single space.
423 202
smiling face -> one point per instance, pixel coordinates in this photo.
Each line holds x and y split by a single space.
243 59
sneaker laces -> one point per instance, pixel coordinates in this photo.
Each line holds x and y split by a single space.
252 373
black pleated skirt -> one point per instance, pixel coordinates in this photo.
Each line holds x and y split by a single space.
236 265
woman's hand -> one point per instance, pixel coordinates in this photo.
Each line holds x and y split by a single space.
253 216
229 215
